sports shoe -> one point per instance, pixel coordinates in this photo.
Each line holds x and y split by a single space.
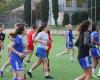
1 73
49 77
29 74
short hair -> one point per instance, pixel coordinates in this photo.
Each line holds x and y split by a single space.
1 25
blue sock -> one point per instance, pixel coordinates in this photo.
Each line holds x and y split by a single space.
15 78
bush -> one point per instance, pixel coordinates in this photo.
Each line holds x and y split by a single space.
66 19
78 17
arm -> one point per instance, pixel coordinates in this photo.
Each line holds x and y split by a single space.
16 52
86 40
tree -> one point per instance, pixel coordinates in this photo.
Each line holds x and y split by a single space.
55 10
44 11
27 12
93 9
66 19
8 5
78 17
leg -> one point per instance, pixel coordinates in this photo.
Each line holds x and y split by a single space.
47 75
48 63
30 55
99 69
72 55
34 66
81 77
21 75
62 53
5 65
94 65
88 73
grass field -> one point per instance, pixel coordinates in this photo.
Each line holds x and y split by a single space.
62 69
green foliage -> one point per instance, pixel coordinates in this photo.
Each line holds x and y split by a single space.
78 17
66 19
8 5
93 9
55 10
44 11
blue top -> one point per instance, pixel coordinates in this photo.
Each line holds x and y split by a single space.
19 46
95 36
69 36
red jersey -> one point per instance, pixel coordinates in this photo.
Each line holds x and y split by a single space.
49 44
30 37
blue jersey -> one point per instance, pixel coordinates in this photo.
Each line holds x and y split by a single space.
19 46
95 36
69 36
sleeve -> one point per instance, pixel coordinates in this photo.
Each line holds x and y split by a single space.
86 40
16 41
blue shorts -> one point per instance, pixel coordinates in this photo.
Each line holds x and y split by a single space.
85 62
69 45
16 64
41 53
95 52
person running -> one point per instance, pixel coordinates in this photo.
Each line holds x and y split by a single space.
69 43
41 53
49 45
84 45
17 54
2 37
7 63
95 52
30 43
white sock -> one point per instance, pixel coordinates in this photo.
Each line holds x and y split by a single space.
46 73
2 68
99 71
93 71
30 70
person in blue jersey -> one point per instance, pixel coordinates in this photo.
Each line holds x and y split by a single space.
84 45
69 42
95 52
17 53
42 38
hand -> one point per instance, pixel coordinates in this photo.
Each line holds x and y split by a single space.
21 55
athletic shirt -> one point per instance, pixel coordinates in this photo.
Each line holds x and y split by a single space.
2 36
19 46
30 37
95 35
43 37
49 44
84 44
69 36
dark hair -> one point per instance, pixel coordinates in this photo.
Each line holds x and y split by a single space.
19 30
94 27
84 26
1 25
41 28
34 27
11 34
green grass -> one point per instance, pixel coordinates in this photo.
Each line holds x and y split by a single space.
62 69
